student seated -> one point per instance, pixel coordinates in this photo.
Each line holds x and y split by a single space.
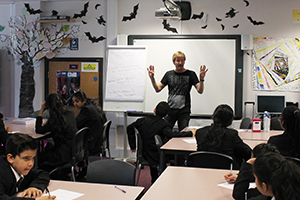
3 135
218 138
62 127
92 116
148 127
277 177
17 175
245 176
288 143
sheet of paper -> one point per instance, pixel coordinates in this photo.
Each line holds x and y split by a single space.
230 185
64 194
192 140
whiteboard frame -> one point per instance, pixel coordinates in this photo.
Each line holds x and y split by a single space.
238 96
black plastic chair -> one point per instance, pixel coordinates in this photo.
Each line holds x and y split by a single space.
246 123
140 160
275 124
79 152
111 171
206 159
105 139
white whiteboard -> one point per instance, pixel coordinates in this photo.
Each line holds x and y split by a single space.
221 55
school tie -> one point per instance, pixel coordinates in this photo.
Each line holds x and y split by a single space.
19 184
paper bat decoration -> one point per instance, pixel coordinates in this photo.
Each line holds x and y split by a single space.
93 38
195 16
231 13
31 10
101 21
235 26
247 3
223 27
255 22
132 15
54 13
168 27
97 5
84 22
218 19
204 27
83 12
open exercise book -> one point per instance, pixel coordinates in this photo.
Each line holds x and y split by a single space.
24 121
64 194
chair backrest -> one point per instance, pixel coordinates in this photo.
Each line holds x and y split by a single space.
79 145
206 159
111 171
139 148
245 123
105 135
158 142
275 124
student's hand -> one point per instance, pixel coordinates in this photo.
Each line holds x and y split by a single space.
9 129
203 71
132 150
251 161
46 197
230 178
151 71
32 192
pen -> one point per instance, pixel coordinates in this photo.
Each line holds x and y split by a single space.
120 189
48 191
231 169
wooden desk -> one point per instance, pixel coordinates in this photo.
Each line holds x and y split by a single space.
177 183
262 136
93 191
28 129
187 145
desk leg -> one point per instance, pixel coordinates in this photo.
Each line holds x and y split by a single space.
162 161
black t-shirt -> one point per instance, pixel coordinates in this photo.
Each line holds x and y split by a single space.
179 85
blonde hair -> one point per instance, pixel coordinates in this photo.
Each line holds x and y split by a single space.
178 54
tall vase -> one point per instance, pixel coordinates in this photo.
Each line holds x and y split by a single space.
27 90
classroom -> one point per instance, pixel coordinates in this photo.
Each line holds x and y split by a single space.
221 20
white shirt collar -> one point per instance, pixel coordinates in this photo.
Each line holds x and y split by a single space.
17 176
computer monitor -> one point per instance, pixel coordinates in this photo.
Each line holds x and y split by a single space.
274 104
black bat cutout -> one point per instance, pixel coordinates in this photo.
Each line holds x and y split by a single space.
97 5
223 27
31 10
204 27
168 27
195 16
84 22
235 26
83 12
101 21
54 13
247 3
218 19
231 13
93 38
255 22
132 14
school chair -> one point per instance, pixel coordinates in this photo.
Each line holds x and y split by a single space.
246 123
207 159
105 139
79 152
275 124
111 171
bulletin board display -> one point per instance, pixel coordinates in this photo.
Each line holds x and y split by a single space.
64 75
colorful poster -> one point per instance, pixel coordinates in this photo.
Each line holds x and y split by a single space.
67 84
276 64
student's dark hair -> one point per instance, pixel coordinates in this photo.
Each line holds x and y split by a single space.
82 96
264 148
281 174
162 109
76 82
18 143
57 120
222 117
290 117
